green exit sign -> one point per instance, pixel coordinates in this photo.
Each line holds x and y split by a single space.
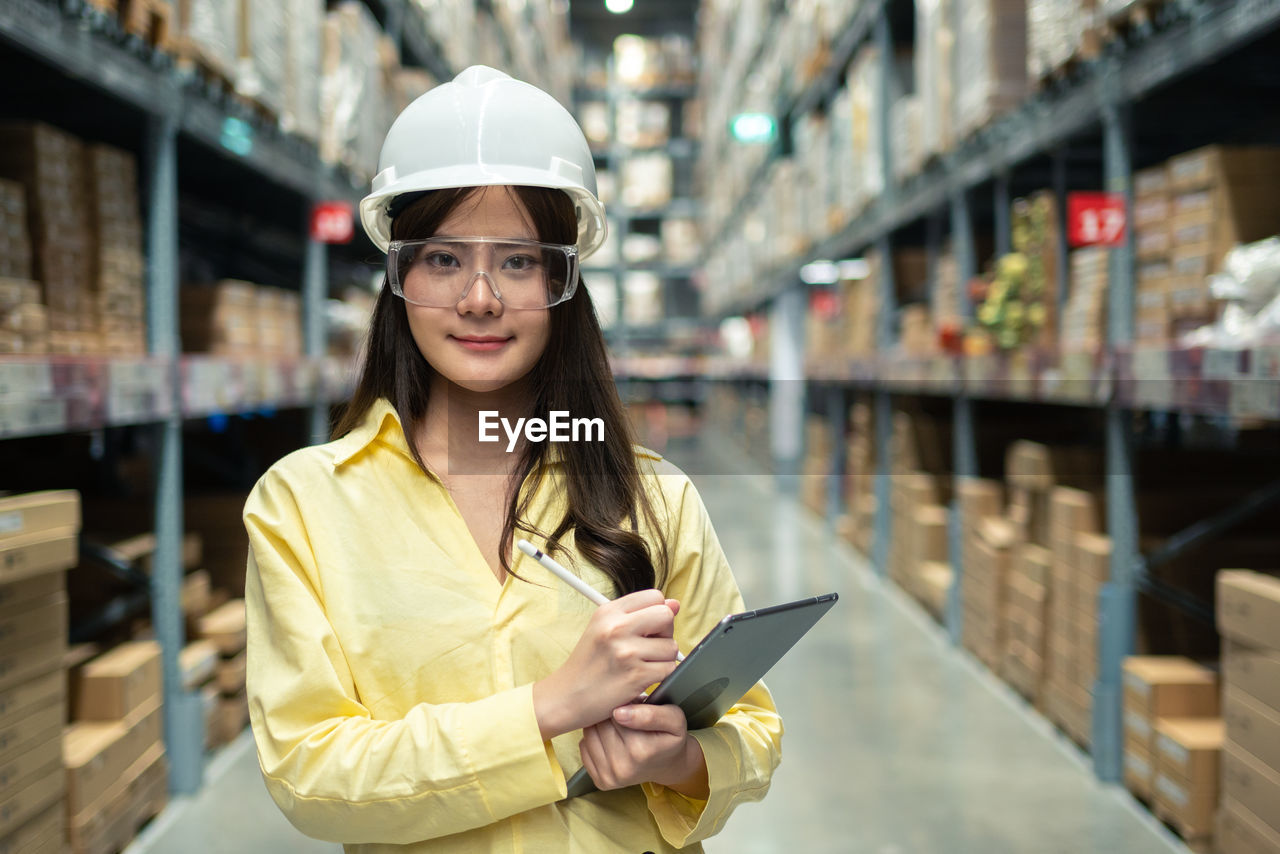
754 128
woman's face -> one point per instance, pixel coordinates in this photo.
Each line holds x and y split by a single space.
480 344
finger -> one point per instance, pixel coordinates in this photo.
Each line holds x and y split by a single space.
656 649
674 605
590 758
668 718
639 600
654 621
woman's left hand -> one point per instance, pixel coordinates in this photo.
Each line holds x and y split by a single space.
645 744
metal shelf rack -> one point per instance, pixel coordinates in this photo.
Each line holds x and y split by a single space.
1099 101
162 389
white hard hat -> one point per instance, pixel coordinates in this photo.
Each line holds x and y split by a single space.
482 129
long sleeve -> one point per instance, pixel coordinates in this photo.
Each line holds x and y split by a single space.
336 772
744 748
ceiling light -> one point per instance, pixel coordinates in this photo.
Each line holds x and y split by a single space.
619 7
820 273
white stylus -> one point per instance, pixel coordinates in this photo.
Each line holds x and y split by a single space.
568 577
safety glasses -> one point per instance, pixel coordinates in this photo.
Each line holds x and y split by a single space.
439 272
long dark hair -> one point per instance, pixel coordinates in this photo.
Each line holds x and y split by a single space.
606 497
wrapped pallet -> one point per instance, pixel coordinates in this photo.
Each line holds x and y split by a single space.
935 45
304 26
207 34
262 50
865 93
991 59
353 118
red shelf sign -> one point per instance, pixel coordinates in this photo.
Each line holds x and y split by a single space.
1095 219
332 222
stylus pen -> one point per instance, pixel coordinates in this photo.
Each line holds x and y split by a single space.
568 577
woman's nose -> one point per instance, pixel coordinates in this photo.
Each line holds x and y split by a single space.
481 296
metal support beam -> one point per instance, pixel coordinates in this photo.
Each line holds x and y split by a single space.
1208 529
1002 202
885 329
838 422
964 443
1117 605
1060 189
184 730
787 386
315 294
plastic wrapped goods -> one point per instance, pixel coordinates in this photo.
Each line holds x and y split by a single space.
207 32
303 42
991 59
263 42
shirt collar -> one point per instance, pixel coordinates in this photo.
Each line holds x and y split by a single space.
382 423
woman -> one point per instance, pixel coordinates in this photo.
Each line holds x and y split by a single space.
414 681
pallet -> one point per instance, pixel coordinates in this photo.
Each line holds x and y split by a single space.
1198 840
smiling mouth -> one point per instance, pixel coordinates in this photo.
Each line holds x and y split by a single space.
481 343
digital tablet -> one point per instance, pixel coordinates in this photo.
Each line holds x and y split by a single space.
725 664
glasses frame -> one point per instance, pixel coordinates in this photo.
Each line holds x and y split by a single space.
570 251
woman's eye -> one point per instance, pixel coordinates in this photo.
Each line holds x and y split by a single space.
519 263
440 259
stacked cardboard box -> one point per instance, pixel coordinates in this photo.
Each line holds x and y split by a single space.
979 501
117 774
1075 518
1153 241
1221 197
235 318
303 40
118 267
353 113
1084 320
816 465
38 542
1248 605
919 492
1187 769
50 165
224 628
865 99
1158 687
859 307
1025 621
859 484
1058 32
24 320
991 59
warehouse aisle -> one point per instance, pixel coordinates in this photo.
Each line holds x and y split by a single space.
896 743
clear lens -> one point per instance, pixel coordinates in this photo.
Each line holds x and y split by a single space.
440 271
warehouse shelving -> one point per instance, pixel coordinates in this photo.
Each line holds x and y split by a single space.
166 115
1092 109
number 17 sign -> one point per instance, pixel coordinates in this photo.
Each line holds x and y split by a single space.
1095 219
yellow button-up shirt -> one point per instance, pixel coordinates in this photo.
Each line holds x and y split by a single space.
390 674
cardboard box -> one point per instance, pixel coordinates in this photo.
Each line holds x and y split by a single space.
1239 831
1249 608
39 512
40 834
225 627
29 798
1093 556
30 621
25 555
1170 686
95 756
31 699
1251 783
1252 726
38 657
118 682
231 717
110 822
18 595
1139 768
1190 749
1255 672
1190 807
32 761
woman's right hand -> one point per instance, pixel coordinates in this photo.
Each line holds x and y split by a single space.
627 646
